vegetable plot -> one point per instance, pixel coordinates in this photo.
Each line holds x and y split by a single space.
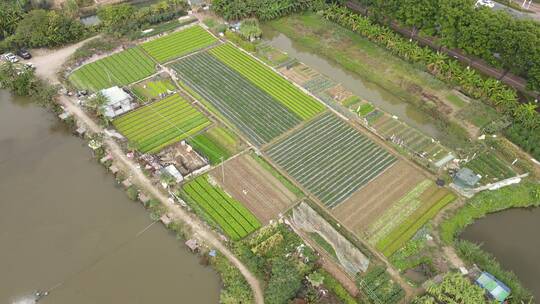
178 44
331 159
259 116
235 219
269 81
153 127
119 69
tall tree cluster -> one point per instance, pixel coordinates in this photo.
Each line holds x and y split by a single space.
495 36
261 9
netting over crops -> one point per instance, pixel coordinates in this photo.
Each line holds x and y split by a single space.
307 219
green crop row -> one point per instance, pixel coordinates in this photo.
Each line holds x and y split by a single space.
178 44
269 81
206 145
160 124
235 219
397 238
119 69
254 112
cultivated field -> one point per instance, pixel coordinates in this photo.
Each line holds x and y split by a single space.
259 116
330 158
179 44
370 202
255 187
149 90
235 220
408 214
490 168
160 124
119 69
269 81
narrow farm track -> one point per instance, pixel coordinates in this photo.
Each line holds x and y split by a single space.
52 62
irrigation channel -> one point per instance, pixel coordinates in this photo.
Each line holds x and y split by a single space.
353 82
64 227
512 237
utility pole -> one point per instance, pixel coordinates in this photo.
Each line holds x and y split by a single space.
222 170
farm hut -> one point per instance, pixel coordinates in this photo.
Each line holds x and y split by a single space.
165 219
118 101
192 244
466 178
171 169
143 198
113 169
496 289
80 131
126 183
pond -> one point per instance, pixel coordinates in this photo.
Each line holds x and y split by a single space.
512 237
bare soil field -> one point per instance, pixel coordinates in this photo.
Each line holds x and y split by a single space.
370 202
254 187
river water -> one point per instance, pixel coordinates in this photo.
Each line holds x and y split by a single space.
353 82
63 221
512 237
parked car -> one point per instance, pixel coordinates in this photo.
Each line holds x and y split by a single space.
11 58
24 53
488 3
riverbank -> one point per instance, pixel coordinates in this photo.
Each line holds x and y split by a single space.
65 221
524 195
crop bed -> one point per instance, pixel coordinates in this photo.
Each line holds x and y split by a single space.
119 69
330 159
160 124
250 109
235 220
152 89
269 81
178 44
490 168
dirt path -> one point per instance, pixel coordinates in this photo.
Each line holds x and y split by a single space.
47 65
49 61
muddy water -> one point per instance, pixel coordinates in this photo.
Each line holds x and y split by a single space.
355 83
512 237
62 221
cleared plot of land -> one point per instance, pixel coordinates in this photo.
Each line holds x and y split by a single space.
119 69
178 44
259 116
408 214
330 158
235 219
278 87
160 124
370 202
255 187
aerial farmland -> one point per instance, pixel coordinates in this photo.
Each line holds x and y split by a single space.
269 144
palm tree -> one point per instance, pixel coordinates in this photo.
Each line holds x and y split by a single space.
527 115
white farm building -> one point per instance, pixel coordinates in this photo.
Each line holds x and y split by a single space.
118 102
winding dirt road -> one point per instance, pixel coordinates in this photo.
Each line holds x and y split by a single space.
47 65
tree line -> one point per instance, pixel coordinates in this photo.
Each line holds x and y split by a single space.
525 117
495 36
261 9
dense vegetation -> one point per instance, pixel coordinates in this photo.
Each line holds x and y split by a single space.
37 28
488 89
454 288
493 35
23 82
379 287
126 19
262 9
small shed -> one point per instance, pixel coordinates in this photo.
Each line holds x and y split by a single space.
192 244
165 219
126 183
466 178
118 101
171 169
496 289
113 169
143 198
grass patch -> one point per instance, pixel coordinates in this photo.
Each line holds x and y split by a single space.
478 114
365 109
350 101
287 183
323 244
455 100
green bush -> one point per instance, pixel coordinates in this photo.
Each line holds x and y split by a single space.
262 9
132 193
